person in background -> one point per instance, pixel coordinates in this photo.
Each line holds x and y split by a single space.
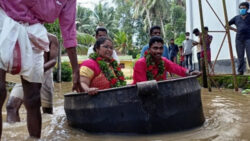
208 40
102 32
197 33
154 67
16 96
249 4
187 47
155 31
182 63
242 41
22 31
101 71
173 51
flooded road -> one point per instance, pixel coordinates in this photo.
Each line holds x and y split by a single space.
227 118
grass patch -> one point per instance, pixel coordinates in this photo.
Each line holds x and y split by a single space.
226 81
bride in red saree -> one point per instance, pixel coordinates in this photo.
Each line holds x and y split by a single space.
101 71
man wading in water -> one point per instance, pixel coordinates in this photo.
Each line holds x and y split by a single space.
23 40
16 96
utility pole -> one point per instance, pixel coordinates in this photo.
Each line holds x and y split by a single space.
230 45
205 49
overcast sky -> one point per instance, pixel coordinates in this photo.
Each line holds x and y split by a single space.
91 3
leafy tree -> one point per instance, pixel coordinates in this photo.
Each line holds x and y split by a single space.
101 16
178 19
134 17
122 44
180 39
104 16
132 26
84 20
142 36
85 39
142 7
66 72
176 26
180 3
84 42
88 21
159 10
169 34
155 11
54 28
124 12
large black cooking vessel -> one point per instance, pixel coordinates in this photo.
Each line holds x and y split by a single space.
148 107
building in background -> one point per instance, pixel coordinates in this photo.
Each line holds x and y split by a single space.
212 22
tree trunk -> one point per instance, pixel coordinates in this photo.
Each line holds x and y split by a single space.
163 29
180 2
149 20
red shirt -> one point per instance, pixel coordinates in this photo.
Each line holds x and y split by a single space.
140 70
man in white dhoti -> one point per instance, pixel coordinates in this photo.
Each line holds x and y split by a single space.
23 40
16 96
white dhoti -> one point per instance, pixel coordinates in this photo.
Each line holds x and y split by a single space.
47 90
18 55
17 91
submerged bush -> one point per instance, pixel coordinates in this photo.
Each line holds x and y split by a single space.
228 82
66 72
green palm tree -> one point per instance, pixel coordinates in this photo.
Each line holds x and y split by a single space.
84 42
104 16
141 8
134 27
155 11
101 16
176 25
121 42
84 20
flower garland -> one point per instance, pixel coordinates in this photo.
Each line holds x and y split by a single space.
117 79
150 65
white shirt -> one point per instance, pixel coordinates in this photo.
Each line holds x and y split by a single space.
187 46
114 55
198 46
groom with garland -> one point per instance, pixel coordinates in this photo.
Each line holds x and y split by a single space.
154 67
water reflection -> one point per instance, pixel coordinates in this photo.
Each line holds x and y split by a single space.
227 118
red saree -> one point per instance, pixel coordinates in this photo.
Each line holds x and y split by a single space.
90 69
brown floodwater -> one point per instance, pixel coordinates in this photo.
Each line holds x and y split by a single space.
227 118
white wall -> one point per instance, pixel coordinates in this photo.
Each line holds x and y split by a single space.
210 20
